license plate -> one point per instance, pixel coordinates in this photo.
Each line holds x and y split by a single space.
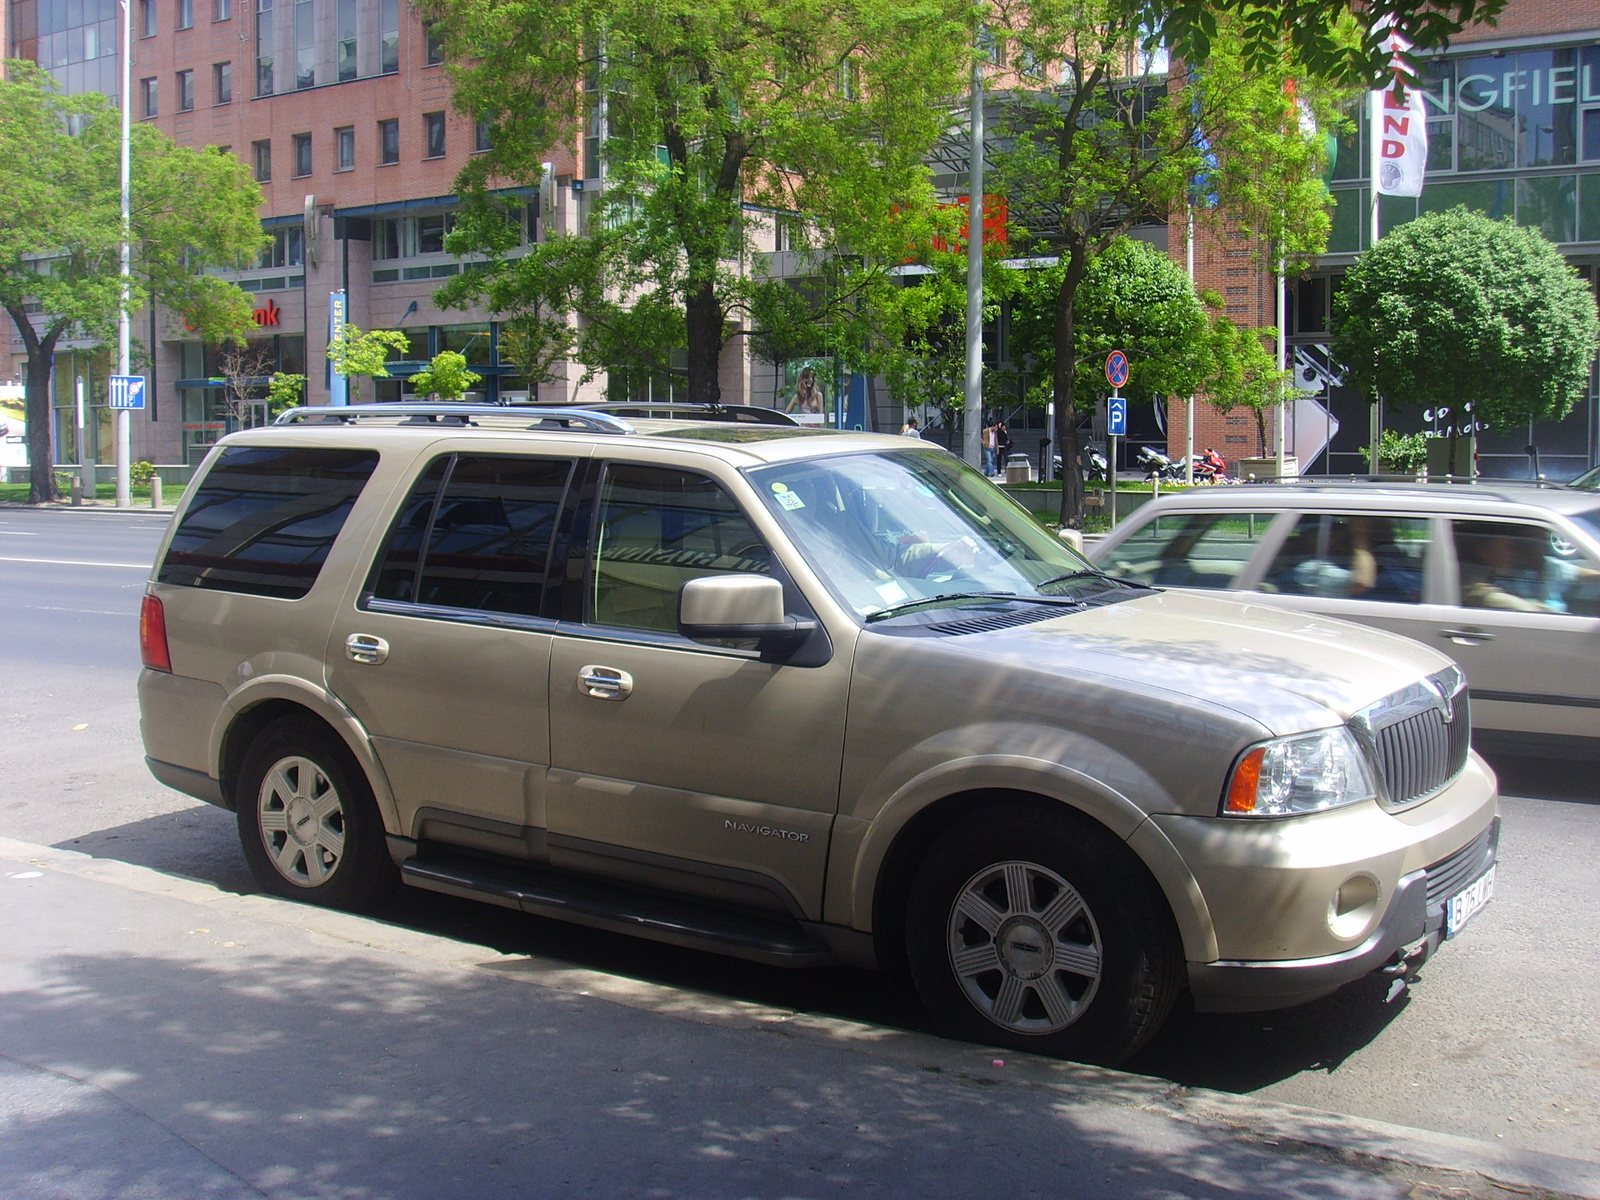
1468 903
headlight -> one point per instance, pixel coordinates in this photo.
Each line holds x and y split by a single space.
1305 773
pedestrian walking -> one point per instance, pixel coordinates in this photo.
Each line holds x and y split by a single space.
909 429
989 447
1002 444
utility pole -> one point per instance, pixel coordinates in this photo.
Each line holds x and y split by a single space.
970 442
1375 163
124 335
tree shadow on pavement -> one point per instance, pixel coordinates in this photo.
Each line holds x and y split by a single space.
341 1073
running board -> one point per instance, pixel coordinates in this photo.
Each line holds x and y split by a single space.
601 905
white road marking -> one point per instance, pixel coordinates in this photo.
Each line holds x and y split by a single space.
72 562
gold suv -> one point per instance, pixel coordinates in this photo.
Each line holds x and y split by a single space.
803 697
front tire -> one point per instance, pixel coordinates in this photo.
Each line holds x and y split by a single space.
1035 928
308 823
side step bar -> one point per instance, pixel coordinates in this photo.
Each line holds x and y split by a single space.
602 905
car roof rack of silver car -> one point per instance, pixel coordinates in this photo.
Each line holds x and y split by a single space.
552 419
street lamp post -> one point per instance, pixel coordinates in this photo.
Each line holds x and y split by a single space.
971 446
124 417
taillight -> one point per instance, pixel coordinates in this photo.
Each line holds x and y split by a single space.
153 635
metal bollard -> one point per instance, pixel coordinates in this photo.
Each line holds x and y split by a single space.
77 490
155 491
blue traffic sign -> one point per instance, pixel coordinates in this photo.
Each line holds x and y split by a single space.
1117 416
1116 368
126 391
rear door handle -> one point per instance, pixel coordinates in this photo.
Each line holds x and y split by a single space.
366 648
604 683
1467 637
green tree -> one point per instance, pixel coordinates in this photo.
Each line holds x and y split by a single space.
355 354
446 377
1242 373
1454 308
61 233
1089 148
707 107
287 390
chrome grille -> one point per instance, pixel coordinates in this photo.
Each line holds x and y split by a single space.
1421 736
1449 875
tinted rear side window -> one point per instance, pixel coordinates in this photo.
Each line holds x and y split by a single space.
265 518
483 542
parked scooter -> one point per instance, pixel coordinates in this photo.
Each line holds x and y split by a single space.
1157 466
1095 468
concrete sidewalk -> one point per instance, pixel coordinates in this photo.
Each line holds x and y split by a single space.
162 1038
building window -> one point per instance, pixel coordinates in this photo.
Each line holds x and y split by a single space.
388 141
286 249
434 54
389 36
345 51
222 11
408 237
147 18
222 79
185 91
344 141
302 155
433 123
263 157
185 14
263 47
147 97
480 137
305 44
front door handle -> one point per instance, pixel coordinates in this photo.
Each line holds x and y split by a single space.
366 648
1467 637
604 683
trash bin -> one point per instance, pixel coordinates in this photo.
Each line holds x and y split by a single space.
1019 469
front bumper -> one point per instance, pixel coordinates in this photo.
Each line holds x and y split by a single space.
1411 929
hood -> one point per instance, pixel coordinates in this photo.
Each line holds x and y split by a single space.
1290 671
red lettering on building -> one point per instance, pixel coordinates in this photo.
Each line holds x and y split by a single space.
267 315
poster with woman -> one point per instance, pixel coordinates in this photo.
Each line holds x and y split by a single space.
805 392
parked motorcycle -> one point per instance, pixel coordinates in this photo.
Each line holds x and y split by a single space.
1210 467
1095 467
1157 466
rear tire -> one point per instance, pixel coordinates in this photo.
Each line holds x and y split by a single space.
1036 929
308 823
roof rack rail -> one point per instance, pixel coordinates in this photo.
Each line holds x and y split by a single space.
433 414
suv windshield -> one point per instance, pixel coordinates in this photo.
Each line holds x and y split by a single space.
921 529
1589 481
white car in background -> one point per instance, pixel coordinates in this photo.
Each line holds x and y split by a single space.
1503 577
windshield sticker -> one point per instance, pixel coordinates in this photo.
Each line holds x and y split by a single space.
891 592
786 499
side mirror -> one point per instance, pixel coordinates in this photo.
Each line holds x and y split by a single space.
739 606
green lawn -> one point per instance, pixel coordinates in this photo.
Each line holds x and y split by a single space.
17 493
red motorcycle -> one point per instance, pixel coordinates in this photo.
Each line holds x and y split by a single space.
1210 467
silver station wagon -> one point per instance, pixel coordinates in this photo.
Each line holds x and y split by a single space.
1505 578
801 696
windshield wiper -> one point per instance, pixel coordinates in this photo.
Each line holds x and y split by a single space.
1094 573
905 606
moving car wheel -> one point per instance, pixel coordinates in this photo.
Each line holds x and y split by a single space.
307 820
1042 932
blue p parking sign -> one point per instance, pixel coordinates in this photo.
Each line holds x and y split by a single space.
1117 416
126 391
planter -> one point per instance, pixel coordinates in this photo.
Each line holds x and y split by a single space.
1265 470
1465 466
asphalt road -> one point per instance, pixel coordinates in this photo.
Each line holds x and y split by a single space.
1499 1039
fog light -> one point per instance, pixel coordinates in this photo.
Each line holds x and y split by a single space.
1354 907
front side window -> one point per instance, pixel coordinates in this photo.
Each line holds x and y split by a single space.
265 518
915 533
476 534
1359 556
433 123
389 141
1190 549
1514 567
657 528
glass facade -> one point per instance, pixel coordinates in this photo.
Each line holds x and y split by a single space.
75 42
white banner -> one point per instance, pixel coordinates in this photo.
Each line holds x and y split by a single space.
1400 123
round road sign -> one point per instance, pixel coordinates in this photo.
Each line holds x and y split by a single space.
1116 368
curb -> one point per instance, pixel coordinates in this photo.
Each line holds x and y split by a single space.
133 510
1288 1128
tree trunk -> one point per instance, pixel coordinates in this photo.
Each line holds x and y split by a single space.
1261 433
703 314
42 487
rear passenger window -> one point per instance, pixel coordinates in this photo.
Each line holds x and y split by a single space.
1354 556
265 518
658 529
476 533
1199 550
1524 568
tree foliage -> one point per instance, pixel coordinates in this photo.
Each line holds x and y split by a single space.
355 354
61 232
1455 307
710 107
1090 147
446 376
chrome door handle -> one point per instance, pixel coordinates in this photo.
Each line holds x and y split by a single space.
366 648
1467 637
604 683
